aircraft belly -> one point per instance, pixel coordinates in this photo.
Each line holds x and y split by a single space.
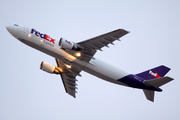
98 68
105 71
95 67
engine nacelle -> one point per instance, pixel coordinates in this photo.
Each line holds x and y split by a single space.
68 44
49 68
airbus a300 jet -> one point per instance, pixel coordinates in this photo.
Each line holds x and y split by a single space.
72 58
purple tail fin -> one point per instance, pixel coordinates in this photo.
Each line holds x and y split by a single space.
157 72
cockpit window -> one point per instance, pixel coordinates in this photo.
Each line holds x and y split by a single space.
15 25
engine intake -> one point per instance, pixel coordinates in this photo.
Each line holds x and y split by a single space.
49 68
68 44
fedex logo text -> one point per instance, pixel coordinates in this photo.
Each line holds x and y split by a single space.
68 42
154 74
44 36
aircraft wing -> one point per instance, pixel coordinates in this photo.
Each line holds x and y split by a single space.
90 46
69 77
88 49
96 43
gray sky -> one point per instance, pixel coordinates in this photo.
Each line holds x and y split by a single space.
28 93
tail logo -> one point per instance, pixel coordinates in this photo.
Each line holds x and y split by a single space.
154 74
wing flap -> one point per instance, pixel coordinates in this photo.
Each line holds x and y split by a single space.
70 87
69 78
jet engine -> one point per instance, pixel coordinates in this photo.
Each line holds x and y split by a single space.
49 68
68 44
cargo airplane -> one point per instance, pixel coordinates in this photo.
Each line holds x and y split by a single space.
72 58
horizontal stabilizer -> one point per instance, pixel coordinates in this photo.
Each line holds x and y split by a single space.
149 94
157 82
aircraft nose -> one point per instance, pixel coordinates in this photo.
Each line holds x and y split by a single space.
8 28
12 30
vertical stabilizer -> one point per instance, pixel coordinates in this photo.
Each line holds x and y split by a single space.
157 72
149 94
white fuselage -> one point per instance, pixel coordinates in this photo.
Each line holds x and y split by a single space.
95 66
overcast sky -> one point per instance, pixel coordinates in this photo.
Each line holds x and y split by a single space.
27 93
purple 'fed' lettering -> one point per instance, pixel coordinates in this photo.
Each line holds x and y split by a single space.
37 33
44 36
